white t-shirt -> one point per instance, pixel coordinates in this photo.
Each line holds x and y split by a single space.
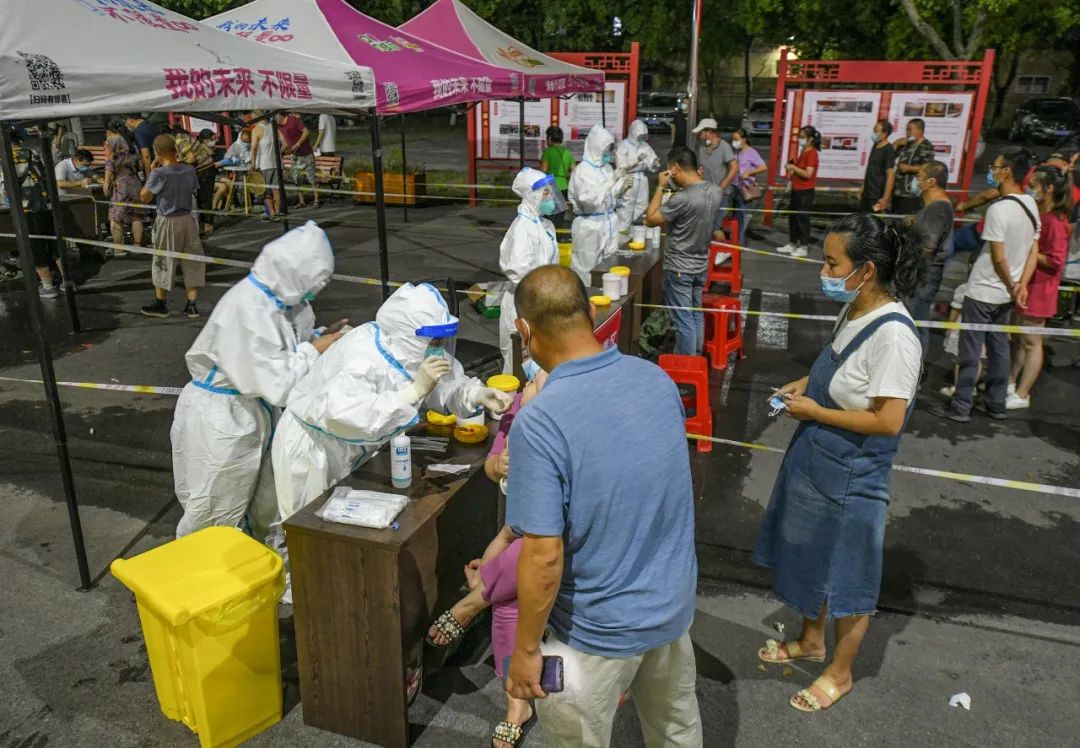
264 158
885 365
1006 222
66 171
328 126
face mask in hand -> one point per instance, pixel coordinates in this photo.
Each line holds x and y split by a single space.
530 368
547 207
835 288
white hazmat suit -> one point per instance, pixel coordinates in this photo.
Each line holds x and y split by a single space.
592 193
528 244
243 365
638 158
368 388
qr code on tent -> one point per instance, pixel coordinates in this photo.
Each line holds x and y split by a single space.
45 75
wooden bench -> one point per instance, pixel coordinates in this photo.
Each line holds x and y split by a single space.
328 170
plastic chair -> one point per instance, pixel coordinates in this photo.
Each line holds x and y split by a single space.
723 330
694 371
730 272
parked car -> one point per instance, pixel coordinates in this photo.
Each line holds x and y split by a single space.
758 119
1046 120
657 110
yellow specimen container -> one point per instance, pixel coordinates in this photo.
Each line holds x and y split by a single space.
565 250
208 606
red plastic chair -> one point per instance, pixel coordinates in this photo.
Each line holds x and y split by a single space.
723 330
694 371
729 273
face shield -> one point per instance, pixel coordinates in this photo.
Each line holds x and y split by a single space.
442 339
552 201
609 155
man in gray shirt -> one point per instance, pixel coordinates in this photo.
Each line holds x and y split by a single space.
689 215
719 164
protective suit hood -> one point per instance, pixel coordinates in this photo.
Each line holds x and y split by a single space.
637 129
408 309
297 263
597 141
523 188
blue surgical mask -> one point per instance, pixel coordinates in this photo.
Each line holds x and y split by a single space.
435 350
309 297
606 159
547 207
916 189
875 136
530 368
991 179
1030 191
836 288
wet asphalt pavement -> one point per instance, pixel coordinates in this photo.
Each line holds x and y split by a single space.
977 579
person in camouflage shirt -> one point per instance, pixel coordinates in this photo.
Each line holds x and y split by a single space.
912 151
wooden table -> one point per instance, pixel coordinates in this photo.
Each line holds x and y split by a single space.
645 285
363 599
619 310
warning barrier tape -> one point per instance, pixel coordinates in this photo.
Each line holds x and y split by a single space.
144 389
983 480
932 324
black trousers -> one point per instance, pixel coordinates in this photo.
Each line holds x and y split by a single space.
799 222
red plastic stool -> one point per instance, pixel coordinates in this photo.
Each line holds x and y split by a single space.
730 227
723 330
730 272
693 370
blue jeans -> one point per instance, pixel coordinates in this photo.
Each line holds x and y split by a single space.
742 216
684 290
921 303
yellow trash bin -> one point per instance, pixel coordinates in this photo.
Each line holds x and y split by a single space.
565 251
208 606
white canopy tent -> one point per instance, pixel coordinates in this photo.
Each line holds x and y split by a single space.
68 58
65 58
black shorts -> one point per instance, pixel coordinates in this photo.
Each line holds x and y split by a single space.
42 250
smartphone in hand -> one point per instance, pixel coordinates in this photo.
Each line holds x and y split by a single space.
551 673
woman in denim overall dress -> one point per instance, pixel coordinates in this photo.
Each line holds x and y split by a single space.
823 531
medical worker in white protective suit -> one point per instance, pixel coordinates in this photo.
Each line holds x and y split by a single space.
593 192
637 157
369 388
528 244
254 348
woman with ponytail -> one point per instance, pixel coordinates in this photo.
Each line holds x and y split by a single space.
802 171
824 528
1052 190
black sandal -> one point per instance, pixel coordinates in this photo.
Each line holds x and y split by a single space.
449 627
513 734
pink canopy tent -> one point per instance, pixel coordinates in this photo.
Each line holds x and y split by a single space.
411 73
451 24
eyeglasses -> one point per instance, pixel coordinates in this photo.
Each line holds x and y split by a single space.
996 167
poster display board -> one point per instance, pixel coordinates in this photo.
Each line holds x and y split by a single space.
498 122
577 115
946 116
846 121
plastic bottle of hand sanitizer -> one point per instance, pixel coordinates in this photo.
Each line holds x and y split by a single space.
401 461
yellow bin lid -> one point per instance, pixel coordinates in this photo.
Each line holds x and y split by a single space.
504 382
620 270
435 418
198 573
600 300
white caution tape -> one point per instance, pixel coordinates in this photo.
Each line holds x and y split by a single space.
143 389
931 324
982 480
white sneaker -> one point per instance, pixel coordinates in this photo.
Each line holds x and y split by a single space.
799 252
1012 388
948 390
1015 402
786 249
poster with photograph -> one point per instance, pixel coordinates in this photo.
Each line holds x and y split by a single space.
504 121
578 114
846 121
946 116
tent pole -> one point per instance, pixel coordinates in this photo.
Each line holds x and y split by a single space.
52 395
521 129
380 205
404 171
280 174
58 227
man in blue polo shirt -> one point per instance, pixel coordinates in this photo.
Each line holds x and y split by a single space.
600 489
